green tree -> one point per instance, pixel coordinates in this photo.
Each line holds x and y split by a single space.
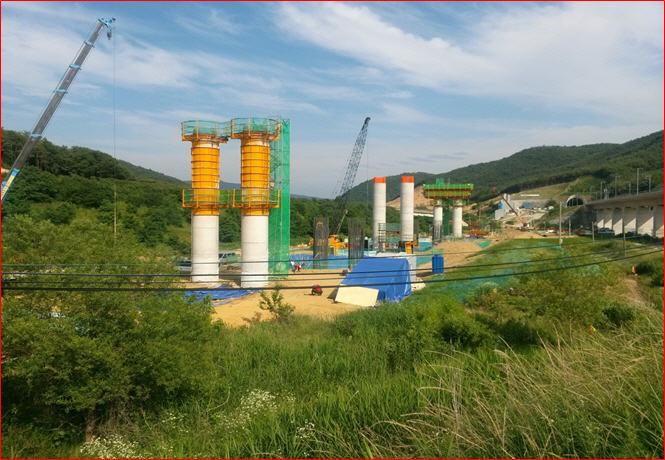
130 223
175 243
229 226
61 214
153 229
76 357
105 212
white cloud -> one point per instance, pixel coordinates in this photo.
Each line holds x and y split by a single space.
400 114
48 10
214 23
589 56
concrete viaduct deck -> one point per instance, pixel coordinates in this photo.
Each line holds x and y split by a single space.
642 214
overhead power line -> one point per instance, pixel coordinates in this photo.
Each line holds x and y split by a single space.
485 251
300 276
445 280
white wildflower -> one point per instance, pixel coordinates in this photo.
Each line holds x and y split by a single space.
112 447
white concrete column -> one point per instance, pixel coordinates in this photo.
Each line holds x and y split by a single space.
644 220
437 222
658 221
406 209
617 223
205 249
600 218
457 222
254 251
608 217
379 212
631 220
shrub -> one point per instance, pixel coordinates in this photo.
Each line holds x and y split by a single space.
518 333
461 329
100 353
62 214
275 305
652 268
619 314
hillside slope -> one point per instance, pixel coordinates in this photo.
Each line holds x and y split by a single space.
546 165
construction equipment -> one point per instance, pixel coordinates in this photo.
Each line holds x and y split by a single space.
349 177
524 223
55 100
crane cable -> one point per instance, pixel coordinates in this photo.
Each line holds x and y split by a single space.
115 158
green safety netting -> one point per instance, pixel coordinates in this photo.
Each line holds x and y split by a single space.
246 125
207 128
279 237
463 290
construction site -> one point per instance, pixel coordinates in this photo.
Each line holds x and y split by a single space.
334 272
243 307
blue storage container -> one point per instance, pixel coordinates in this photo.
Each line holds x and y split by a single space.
437 263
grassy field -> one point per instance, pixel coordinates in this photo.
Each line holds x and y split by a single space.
548 365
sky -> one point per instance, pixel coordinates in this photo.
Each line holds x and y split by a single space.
446 84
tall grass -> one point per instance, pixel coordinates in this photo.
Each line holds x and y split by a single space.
514 371
590 396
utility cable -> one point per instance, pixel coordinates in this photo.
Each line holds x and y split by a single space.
444 280
315 276
300 276
485 251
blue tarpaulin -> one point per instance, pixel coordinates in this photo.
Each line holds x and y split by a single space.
332 263
390 276
220 295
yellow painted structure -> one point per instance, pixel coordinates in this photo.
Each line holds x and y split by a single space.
205 138
255 198
255 163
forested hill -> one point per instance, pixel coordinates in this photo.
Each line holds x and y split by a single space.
545 165
141 172
79 161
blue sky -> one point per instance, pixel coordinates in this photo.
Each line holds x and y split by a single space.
447 84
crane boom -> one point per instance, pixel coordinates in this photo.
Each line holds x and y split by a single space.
54 102
350 175
524 223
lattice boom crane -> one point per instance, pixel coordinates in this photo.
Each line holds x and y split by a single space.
350 175
54 102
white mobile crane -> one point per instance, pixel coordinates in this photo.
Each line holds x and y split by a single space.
55 100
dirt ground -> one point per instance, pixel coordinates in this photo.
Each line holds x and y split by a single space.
242 311
246 310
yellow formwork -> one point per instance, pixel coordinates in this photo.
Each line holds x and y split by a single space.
205 171
205 164
254 166
255 173
255 197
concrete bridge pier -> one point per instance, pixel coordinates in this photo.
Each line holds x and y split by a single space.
617 220
641 213
600 218
658 221
630 219
607 217
644 220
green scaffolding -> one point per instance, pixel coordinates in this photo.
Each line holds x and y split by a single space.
279 237
445 229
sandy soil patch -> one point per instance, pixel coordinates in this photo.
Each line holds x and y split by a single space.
242 311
